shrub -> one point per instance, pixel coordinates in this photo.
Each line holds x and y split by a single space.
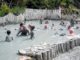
5 8
2 13
17 10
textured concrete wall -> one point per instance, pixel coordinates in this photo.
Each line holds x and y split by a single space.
31 14
39 14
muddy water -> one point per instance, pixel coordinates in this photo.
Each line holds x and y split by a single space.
9 50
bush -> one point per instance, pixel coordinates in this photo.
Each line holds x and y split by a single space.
4 9
17 10
2 13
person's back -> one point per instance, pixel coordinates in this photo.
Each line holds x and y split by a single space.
70 30
8 37
31 27
22 27
31 31
22 30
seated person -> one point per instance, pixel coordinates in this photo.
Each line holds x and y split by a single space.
22 30
8 37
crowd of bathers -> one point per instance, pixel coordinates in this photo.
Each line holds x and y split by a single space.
23 31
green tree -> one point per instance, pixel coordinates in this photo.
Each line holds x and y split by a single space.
5 8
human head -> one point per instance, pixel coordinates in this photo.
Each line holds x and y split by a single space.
21 24
69 27
8 32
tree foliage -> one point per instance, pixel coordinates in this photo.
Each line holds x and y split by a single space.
40 4
17 6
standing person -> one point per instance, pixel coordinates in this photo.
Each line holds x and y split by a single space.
52 26
31 31
8 37
25 21
72 22
46 25
41 19
22 30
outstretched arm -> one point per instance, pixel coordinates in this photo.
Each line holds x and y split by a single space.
18 33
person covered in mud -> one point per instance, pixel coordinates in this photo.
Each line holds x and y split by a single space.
22 30
46 24
72 22
70 30
8 37
31 31
62 23
41 20
52 25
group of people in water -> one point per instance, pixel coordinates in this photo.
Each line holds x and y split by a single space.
23 31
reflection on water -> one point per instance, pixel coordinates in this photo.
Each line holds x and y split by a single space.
24 58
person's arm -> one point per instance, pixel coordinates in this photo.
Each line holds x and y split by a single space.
18 33
12 38
6 39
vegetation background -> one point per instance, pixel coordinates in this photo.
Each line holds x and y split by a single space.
18 6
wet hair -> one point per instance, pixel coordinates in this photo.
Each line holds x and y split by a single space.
8 32
69 27
21 24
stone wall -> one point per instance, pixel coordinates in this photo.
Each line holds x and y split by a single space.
50 51
42 14
31 14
